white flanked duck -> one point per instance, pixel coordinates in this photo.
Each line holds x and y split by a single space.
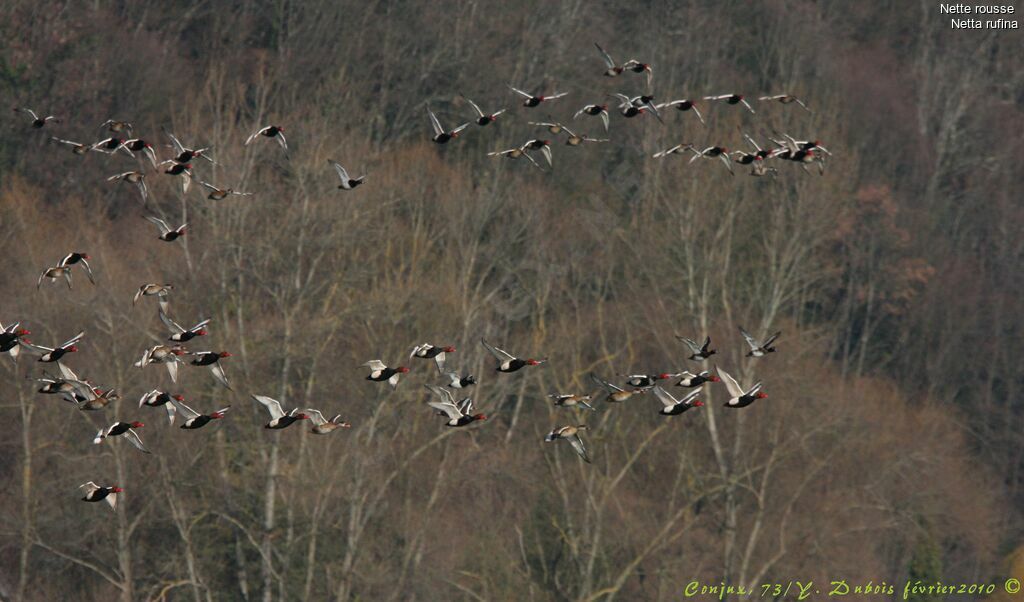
459 414
673 406
157 398
347 182
10 339
278 418
642 381
212 360
169 356
637 67
690 380
483 119
698 352
612 69
323 426
732 99
185 155
571 434
95 493
594 111
195 420
684 104
441 135
458 381
740 398
126 429
616 393
181 334
759 348
380 372
508 362
53 354
437 353
714 152
78 258
275 132
138 145
544 146
168 234
532 100
37 121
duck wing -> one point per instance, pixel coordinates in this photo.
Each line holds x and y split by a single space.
273 406
665 397
450 409
604 384
730 383
134 439
500 354
577 445
754 345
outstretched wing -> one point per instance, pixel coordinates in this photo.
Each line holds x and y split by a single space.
450 409
604 384
438 130
133 437
750 339
665 397
730 383
473 104
273 406
500 354
607 58
184 410
341 171
444 394
577 445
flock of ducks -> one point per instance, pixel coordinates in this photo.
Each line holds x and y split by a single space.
782 147
87 396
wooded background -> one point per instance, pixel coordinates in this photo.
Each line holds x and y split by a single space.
891 446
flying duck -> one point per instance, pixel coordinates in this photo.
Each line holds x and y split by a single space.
180 334
758 348
133 177
323 426
193 419
698 352
508 362
458 414
532 101
427 351
347 183
595 110
673 406
127 429
616 394
571 434
731 99
271 131
441 135
212 360
278 419
157 398
379 372
740 398
37 121
167 234
482 118
95 493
